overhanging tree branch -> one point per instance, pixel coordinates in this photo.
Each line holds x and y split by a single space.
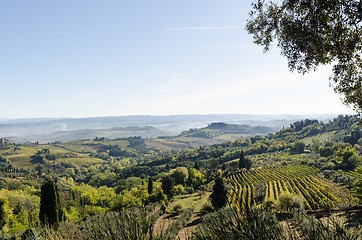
311 33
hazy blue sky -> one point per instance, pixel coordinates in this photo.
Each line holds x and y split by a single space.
80 58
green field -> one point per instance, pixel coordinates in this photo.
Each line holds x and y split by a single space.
324 137
21 159
193 201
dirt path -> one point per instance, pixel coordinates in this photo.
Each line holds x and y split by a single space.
191 225
163 222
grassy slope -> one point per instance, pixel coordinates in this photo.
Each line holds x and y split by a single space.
21 158
194 201
322 137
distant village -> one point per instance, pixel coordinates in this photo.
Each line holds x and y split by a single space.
3 141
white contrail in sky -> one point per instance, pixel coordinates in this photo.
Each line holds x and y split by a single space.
60 33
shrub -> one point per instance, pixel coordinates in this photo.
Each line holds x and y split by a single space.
177 225
176 208
132 223
190 190
206 208
179 189
287 202
256 223
330 228
269 203
163 207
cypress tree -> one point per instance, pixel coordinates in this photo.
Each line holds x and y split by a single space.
50 209
259 192
244 162
241 160
196 166
219 194
150 186
4 213
167 186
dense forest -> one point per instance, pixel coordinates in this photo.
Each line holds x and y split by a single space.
304 181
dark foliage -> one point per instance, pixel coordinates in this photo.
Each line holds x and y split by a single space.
50 209
167 186
219 194
150 186
244 162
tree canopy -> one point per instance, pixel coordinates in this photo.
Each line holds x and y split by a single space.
311 33
219 194
150 186
50 208
244 162
167 186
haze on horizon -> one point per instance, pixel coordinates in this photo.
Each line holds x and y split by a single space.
90 58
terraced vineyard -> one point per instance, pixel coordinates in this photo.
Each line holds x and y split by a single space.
295 179
353 174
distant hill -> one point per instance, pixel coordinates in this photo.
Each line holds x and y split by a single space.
66 129
111 133
341 129
219 135
217 129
